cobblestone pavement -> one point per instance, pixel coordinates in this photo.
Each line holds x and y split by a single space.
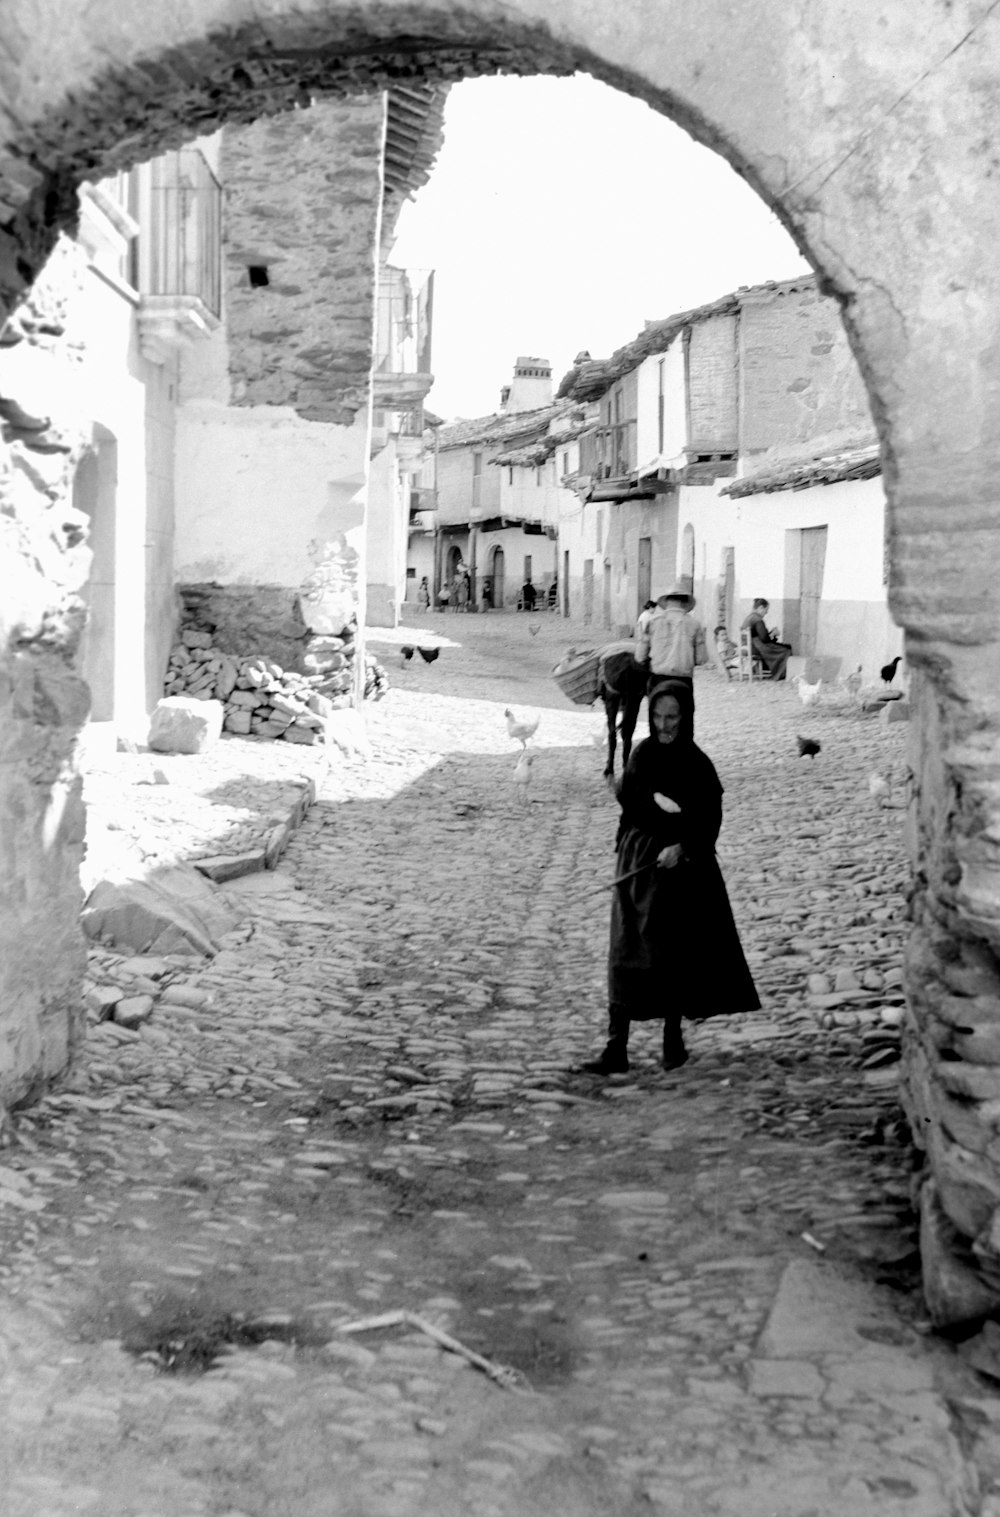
365 1103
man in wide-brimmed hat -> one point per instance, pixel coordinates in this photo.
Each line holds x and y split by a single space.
674 640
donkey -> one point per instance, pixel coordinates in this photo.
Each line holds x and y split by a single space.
622 687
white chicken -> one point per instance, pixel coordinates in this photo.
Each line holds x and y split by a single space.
521 732
879 788
522 773
808 694
853 682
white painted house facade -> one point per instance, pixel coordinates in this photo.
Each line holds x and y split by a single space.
749 417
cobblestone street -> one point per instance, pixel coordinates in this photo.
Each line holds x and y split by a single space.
705 1281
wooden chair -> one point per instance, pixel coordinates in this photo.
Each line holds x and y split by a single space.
749 663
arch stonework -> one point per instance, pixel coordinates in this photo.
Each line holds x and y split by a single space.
870 128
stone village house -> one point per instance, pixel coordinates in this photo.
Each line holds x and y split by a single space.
867 130
735 447
236 454
498 497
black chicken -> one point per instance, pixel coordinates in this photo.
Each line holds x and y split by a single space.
405 654
808 747
428 654
888 671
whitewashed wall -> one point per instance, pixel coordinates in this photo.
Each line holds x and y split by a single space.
674 409
854 621
259 491
111 393
530 493
386 537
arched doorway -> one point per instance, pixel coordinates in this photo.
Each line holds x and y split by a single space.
834 119
497 575
452 563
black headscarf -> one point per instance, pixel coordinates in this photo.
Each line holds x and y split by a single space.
680 690
679 770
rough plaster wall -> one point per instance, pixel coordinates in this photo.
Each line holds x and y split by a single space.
43 704
455 484
302 200
161 598
800 388
869 128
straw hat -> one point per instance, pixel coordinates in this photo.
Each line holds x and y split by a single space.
681 591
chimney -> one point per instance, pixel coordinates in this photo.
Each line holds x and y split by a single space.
531 387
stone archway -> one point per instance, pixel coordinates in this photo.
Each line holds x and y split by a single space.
871 132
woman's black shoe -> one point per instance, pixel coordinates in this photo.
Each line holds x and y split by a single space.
613 1061
674 1052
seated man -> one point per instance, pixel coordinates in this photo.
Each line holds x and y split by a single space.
528 596
772 654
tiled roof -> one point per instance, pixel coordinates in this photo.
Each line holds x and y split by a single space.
591 379
534 453
832 469
502 426
414 131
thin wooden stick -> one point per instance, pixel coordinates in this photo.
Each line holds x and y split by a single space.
503 1374
622 878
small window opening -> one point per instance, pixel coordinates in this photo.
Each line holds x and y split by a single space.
258 276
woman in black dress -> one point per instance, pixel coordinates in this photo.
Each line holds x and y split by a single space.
675 951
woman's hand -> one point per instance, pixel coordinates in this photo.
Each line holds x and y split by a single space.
670 856
666 804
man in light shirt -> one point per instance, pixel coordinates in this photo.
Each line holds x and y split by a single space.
673 641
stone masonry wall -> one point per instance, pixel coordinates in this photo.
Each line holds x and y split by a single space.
302 197
43 703
799 380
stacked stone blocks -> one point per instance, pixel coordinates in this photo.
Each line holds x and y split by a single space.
259 697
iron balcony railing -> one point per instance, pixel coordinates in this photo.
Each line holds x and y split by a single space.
184 238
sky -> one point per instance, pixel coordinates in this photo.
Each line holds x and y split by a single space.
561 215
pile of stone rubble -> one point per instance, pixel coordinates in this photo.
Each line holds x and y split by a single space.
259 697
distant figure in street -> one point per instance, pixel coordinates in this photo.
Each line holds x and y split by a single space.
772 654
528 596
673 643
486 595
423 595
642 625
462 588
671 894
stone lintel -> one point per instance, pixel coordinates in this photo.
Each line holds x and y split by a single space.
170 322
401 392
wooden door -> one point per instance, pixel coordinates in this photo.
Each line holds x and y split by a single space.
644 573
496 573
727 590
588 591
606 605
811 587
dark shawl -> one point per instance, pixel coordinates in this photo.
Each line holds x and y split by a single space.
674 944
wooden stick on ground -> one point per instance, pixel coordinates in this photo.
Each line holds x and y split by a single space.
503 1374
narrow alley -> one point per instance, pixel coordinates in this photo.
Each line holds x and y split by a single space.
703 1285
